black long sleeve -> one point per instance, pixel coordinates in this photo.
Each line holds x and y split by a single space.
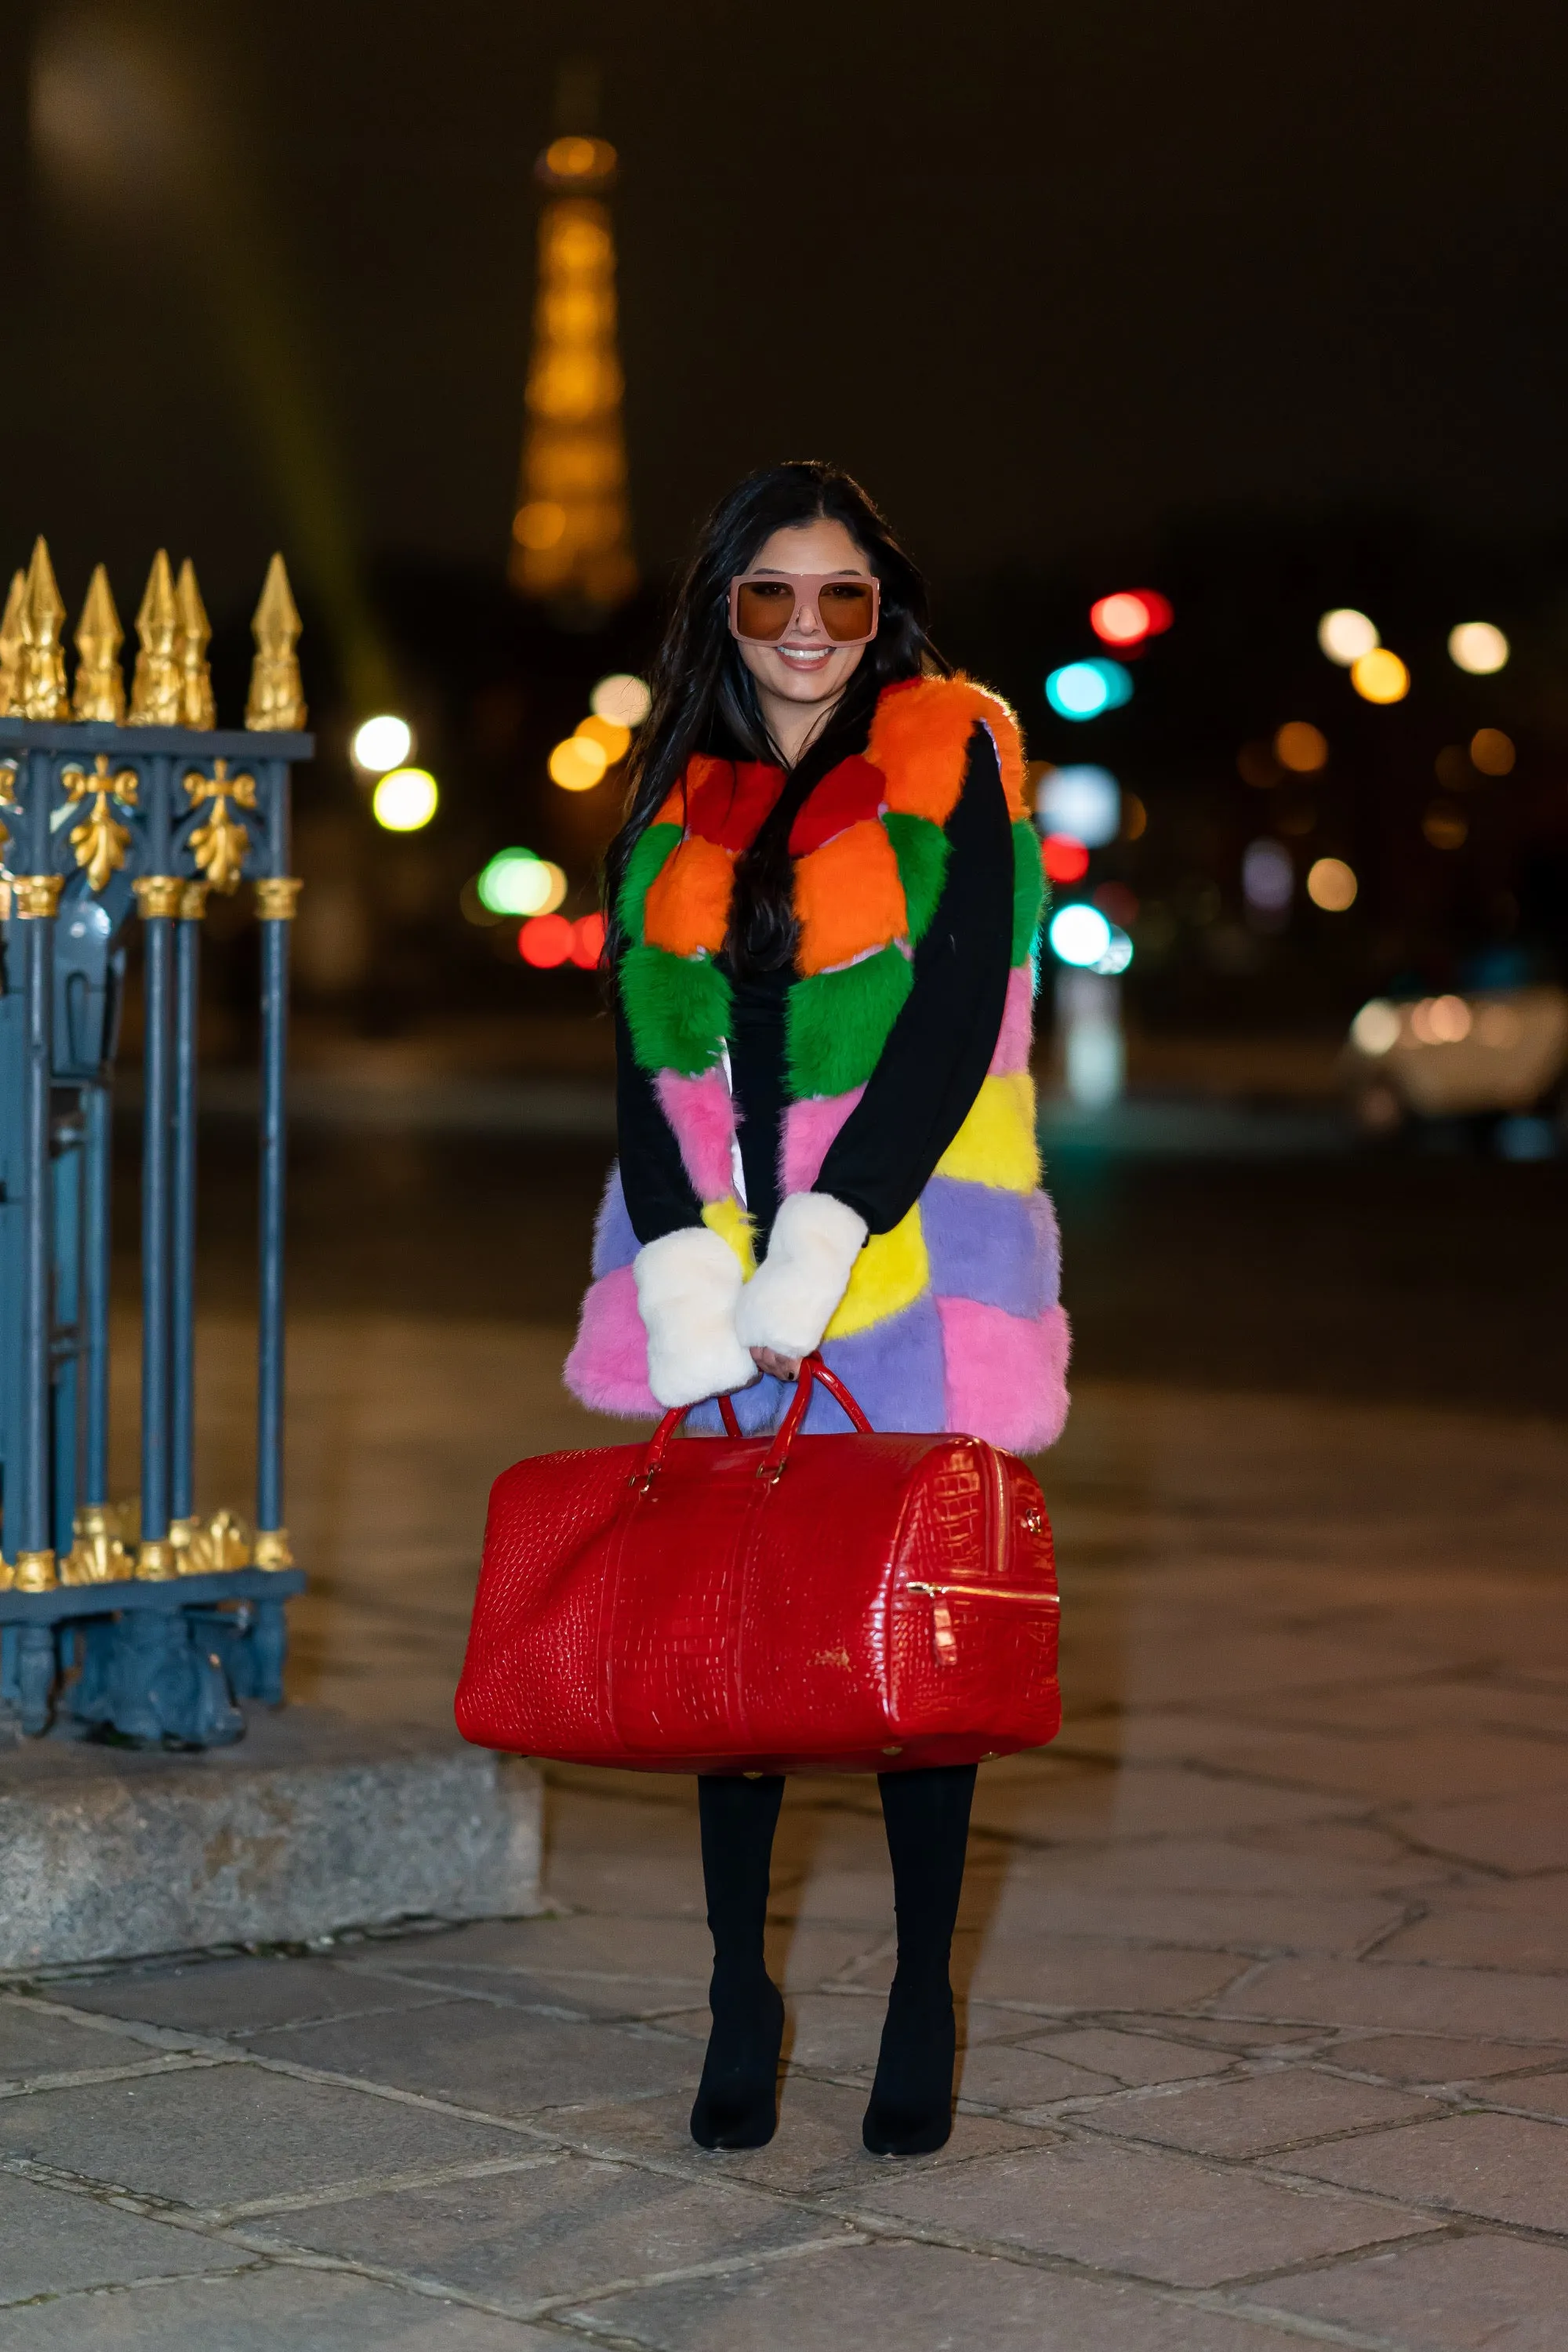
940 1045
660 1196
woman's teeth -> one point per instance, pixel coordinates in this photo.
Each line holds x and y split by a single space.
805 657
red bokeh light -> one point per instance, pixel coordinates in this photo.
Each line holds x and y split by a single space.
1129 617
546 941
1064 859
588 940
1116 903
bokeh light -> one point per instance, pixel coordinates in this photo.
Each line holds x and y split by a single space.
1301 746
545 941
1118 953
1079 935
1376 1029
405 800
621 698
1445 826
1129 617
1478 648
588 940
1331 885
1380 677
613 740
577 764
1064 859
1084 801
1492 752
1346 636
1268 876
1440 1021
381 742
1257 765
539 525
516 882
1083 690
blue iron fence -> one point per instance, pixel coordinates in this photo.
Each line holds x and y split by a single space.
140 1621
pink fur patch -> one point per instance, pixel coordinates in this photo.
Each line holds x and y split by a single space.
1016 1035
607 1368
1006 1379
809 1128
702 1113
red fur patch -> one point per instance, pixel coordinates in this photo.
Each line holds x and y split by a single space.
847 795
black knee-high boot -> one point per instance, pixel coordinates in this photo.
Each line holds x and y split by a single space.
927 1819
737 2101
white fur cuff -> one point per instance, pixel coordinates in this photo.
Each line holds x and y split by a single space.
789 1301
688 1283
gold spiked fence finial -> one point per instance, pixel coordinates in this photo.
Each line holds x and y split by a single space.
277 693
196 706
157 689
11 647
100 687
40 689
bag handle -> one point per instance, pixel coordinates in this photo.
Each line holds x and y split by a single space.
812 1369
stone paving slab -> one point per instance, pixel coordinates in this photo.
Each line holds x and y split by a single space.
58 2243
1456 2294
1258 2115
1503 2167
1480 2001
276 2309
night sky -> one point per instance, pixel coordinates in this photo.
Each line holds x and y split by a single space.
1046 279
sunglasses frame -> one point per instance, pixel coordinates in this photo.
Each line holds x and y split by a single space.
808 587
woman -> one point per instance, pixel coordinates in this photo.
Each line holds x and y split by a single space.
823 906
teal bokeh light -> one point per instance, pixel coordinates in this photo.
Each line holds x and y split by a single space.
1083 690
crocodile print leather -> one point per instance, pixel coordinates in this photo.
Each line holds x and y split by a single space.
710 1619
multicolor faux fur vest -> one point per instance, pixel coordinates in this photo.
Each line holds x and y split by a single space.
952 1319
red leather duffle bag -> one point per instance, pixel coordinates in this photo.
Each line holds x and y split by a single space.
839 1604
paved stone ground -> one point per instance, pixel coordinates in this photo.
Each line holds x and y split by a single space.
1264 1964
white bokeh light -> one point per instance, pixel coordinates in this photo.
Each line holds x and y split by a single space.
381 742
1345 635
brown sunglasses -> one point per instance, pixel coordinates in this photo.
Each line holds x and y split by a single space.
764 605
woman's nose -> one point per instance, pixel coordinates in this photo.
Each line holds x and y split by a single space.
807 620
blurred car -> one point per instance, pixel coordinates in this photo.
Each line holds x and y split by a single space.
1490 1053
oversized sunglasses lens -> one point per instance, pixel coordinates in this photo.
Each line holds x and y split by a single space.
763 609
846 607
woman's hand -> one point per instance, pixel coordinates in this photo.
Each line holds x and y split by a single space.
783 1368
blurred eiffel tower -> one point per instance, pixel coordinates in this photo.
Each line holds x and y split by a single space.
572 532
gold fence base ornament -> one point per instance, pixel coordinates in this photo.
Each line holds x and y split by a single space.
99 1555
157 894
35 1572
277 895
36 897
156 1562
206 1548
272 1549
192 901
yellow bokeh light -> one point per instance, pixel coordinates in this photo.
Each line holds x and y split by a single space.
539 524
613 738
1492 752
1380 677
1478 648
1445 826
577 764
405 800
1300 746
579 159
557 890
1331 885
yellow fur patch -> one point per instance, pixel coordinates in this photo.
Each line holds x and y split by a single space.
889 1273
730 1221
996 1143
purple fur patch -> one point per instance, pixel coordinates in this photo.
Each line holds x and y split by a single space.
758 1408
1006 1379
1013 1043
809 1128
702 1113
614 1243
893 1371
607 1368
998 1248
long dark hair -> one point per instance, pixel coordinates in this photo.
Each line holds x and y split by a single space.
704 697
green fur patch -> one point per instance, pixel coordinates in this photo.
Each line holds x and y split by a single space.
922 849
643 867
837 1022
1028 889
677 1007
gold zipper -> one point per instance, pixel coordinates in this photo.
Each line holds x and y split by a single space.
987 1593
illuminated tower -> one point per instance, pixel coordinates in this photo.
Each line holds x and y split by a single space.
572 532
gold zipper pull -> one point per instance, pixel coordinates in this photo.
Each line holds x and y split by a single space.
941 1631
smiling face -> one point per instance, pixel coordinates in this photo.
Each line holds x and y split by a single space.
800 677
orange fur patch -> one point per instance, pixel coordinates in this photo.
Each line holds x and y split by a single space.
688 904
919 740
848 896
